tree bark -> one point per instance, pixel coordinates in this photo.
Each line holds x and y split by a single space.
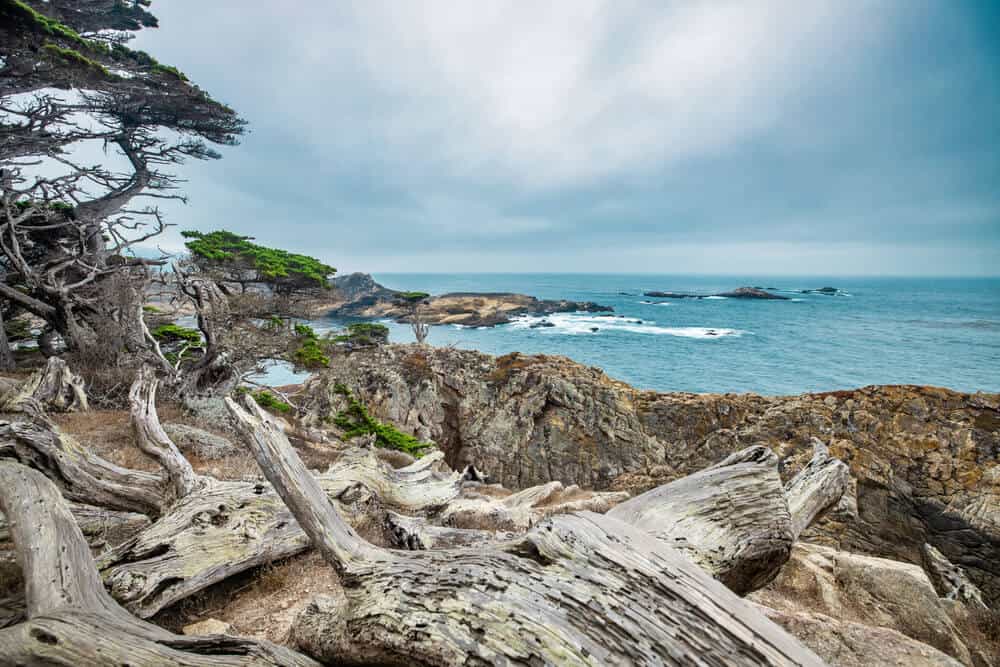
580 589
7 362
82 476
816 488
731 519
55 387
71 620
151 438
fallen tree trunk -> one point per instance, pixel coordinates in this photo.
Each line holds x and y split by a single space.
72 621
81 475
816 488
731 519
101 527
55 387
580 589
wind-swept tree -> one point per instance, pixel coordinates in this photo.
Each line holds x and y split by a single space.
413 302
68 230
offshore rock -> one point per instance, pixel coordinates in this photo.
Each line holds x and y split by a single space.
925 461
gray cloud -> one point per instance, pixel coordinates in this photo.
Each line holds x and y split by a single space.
818 136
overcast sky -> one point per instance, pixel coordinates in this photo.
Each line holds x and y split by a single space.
805 136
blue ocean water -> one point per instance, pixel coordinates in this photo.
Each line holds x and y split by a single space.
935 331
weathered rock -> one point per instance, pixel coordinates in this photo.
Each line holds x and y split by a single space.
200 443
924 461
849 644
869 591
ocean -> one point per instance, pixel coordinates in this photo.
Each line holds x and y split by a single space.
932 331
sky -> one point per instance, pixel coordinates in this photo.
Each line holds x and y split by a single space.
758 137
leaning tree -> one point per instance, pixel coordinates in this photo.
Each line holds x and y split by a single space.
69 229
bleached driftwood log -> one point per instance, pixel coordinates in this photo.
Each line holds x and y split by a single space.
816 488
151 438
101 527
54 387
71 620
581 589
81 475
731 519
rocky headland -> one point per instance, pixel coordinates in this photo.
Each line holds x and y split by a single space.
358 295
924 461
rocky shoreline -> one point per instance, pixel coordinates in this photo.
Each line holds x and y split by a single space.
361 297
924 460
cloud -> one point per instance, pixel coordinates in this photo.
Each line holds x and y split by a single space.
419 134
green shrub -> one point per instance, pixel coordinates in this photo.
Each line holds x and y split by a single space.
17 329
355 421
269 401
173 333
363 334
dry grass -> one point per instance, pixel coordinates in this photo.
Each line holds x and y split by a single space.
261 603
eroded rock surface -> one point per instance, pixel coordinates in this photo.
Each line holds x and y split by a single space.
819 583
924 460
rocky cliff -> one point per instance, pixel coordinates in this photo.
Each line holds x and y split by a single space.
925 461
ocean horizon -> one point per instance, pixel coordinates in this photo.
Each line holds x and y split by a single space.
885 330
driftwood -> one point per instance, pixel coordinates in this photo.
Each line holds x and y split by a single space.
581 589
816 488
151 438
54 387
731 519
80 475
71 620
101 527
224 528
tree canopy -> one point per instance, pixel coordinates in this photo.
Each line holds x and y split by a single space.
242 261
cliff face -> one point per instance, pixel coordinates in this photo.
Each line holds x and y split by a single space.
925 461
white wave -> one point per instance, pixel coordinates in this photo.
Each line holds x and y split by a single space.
583 323
716 297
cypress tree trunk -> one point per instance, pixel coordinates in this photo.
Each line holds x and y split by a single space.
7 362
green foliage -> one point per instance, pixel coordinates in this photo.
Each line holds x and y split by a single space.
22 12
73 56
363 334
278 267
19 11
356 421
173 333
304 331
413 297
152 310
269 401
274 322
310 353
17 329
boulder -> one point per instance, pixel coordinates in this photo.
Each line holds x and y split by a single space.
863 590
201 443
